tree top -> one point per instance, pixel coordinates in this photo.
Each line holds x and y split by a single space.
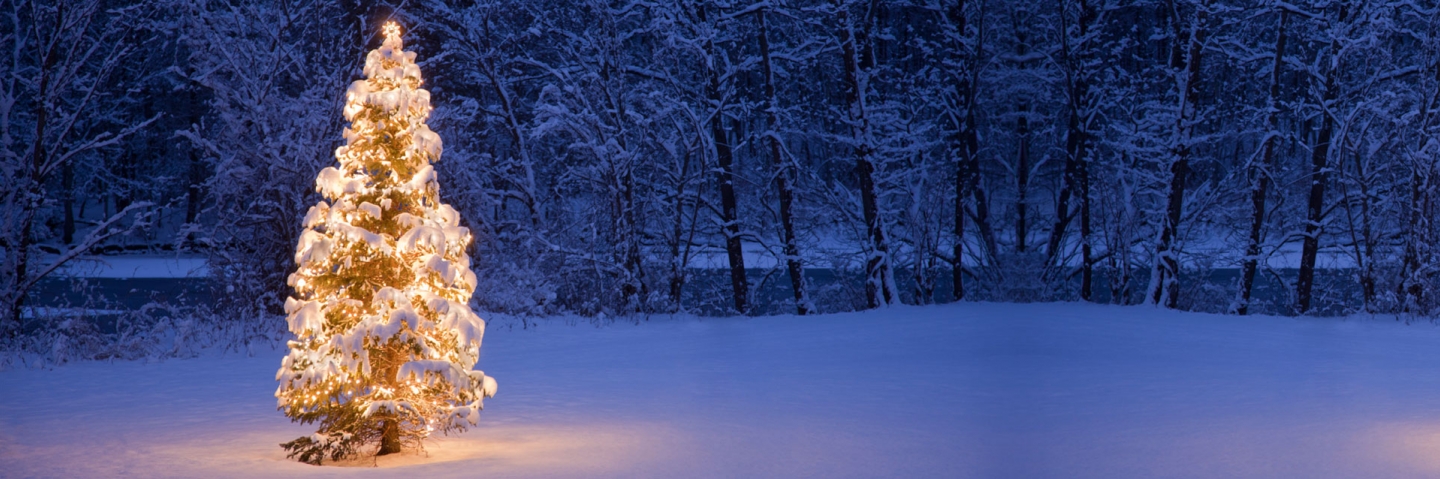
392 32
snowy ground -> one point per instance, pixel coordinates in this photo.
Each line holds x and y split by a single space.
973 390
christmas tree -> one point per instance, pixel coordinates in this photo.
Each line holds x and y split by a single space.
384 337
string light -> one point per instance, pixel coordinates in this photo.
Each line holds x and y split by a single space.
376 167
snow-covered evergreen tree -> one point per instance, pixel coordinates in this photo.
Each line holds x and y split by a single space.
384 337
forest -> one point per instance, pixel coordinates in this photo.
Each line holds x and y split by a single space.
622 158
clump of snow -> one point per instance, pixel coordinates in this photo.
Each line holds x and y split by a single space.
313 248
334 184
371 209
422 179
303 315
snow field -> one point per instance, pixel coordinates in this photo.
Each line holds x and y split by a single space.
968 390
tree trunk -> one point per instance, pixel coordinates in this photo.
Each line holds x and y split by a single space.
858 58
32 199
67 196
1319 169
634 288
1077 137
1087 262
516 128
1366 248
1185 63
1022 176
625 237
729 216
1082 171
1260 174
1070 181
193 192
957 269
1315 207
725 159
389 437
1410 290
963 142
1164 281
981 216
678 274
784 175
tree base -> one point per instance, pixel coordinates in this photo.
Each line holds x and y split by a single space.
388 449
389 438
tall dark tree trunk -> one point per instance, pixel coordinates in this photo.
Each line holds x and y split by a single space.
969 164
1260 173
1088 15
678 273
981 199
1022 150
784 172
961 139
633 287
725 159
33 174
1364 244
859 58
1185 59
1077 140
193 193
1022 177
729 216
1087 261
1319 178
67 196
1165 283
1410 290
957 270
127 175
1069 182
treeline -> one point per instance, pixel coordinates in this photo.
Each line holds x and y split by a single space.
609 155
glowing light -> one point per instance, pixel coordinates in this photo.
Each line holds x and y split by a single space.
386 130
392 32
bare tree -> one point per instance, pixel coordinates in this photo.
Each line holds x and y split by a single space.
1261 172
858 58
54 85
1415 289
784 167
1078 45
1188 30
717 93
962 36
269 132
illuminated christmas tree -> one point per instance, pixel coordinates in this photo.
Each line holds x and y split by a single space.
384 337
